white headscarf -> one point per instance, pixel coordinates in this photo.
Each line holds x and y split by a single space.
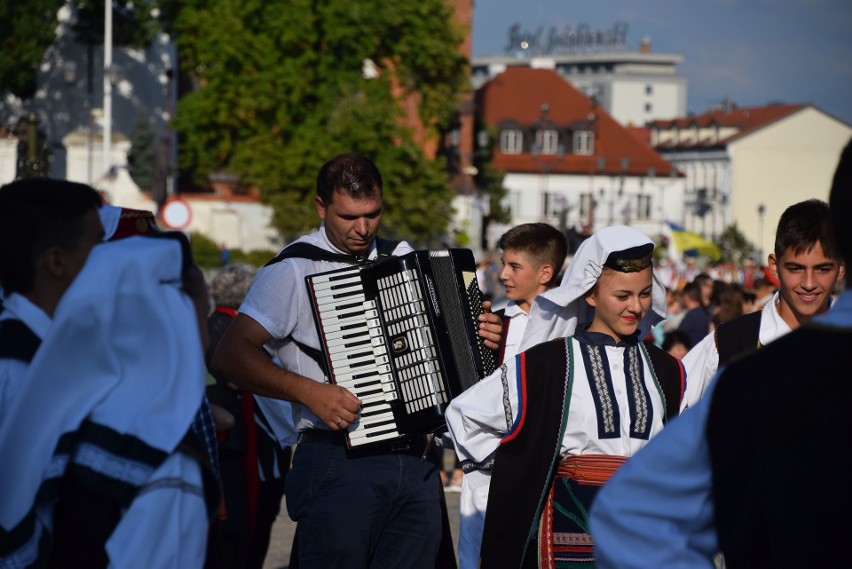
557 312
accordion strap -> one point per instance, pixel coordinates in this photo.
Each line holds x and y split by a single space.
304 250
315 355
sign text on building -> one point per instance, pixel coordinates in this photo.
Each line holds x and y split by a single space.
568 39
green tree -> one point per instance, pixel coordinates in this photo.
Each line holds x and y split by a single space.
141 157
24 37
280 88
734 245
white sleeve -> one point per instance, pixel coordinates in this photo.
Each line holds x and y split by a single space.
274 299
478 418
657 510
701 364
166 525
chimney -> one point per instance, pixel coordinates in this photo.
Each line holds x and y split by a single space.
645 46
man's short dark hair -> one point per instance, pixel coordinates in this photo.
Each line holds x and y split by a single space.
801 226
36 214
351 174
692 291
840 208
544 243
702 278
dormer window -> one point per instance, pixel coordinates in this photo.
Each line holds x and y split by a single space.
511 141
584 142
547 141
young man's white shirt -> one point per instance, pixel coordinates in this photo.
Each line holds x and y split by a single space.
702 361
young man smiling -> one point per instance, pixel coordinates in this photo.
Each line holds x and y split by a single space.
807 267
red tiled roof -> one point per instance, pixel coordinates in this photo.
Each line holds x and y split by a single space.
745 120
517 95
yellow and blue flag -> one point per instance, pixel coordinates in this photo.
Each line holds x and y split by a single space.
691 244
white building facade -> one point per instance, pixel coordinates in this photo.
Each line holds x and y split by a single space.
746 166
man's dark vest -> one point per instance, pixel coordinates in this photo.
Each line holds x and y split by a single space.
780 441
738 336
17 341
525 464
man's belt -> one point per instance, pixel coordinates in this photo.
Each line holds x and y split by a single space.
412 444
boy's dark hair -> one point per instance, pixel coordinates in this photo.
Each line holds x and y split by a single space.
801 226
673 337
841 208
692 291
36 214
544 243
351 174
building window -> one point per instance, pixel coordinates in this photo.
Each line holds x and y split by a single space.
554 204
648 107
511 142
547 141
643 207
585 205
584 142
649 89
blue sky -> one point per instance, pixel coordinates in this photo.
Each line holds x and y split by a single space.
752 51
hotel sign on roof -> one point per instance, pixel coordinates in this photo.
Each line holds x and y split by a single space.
581 38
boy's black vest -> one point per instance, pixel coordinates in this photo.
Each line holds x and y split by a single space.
738 336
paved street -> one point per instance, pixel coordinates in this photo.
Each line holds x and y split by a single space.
282 534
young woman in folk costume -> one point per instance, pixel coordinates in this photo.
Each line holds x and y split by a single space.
560 418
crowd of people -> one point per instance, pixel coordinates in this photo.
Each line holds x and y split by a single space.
632 420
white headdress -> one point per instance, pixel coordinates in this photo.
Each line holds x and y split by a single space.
557 312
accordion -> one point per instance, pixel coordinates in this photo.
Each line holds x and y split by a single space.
400 333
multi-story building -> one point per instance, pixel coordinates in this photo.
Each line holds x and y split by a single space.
568 162
633 86
747 165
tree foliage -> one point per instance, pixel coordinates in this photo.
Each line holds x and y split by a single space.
734 245
280 89
23 39
28 28
140 159
134 22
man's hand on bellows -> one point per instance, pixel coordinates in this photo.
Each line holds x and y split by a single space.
334 405
490 326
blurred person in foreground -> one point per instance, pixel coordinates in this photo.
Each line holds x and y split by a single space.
807 266
759 469
47 229
252 463
107 469
560 417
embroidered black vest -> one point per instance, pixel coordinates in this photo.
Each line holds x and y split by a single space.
524 465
